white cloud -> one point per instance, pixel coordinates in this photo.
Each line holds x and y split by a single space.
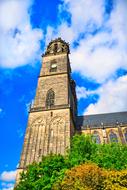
7 186
8 176
84 13
20 43
98 56
82 92
83 16
99 63
119 25
113 97
13 13
1 110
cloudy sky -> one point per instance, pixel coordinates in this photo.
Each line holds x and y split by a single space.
97 33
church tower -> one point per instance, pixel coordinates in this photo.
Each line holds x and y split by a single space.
52 117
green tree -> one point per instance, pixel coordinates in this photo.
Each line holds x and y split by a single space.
110 156
49 173
81 150
89 176
41 176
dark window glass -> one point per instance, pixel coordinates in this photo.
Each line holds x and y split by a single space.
55 48
53 69
113 137
50 98
96 137
125 134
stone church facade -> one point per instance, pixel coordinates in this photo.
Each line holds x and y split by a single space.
53 117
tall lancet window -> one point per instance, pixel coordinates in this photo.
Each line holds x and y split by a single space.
50 98
125 135
96 137
113 137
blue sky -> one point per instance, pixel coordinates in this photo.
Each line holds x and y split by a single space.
96 31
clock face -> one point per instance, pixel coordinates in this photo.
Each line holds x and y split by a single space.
54 65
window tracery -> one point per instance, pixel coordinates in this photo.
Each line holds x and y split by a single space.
50 98
113 137
96 137
57 135
125 135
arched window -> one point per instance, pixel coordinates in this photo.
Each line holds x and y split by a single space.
125 135
113 137
96 137
50 98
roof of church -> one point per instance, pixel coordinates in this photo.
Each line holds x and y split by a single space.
101 120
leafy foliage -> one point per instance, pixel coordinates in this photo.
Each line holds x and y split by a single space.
86 176
111 156
62 172
42 175
90 177
82 147
116 180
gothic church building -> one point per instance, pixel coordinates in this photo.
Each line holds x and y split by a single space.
53 117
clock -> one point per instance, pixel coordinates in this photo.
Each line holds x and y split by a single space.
53 65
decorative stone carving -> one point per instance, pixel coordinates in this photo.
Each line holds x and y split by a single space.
57 135
38 121
34 142
57 46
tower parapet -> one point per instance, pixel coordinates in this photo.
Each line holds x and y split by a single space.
57 46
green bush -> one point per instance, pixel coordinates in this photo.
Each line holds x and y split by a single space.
91 177
51 170
82 147
111 156
42 175
82 177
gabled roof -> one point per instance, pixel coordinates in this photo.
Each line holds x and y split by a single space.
102 120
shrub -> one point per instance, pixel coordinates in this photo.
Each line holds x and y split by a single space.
86 176
81 150
90 177
41 176
116 180
110 156
49 173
